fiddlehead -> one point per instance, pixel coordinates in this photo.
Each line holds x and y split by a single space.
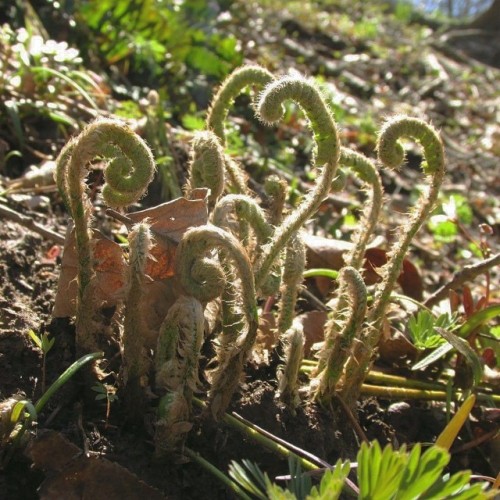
129 171
326 154
176 371
206 168
391 154
231 87
198 277
246 209
339 337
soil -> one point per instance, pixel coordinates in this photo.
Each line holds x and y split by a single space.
28 280
77 451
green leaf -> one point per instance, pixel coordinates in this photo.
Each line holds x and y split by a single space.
421 471
479 318
35 338
332 482
422 330
250 478
463 347
20 407
379 472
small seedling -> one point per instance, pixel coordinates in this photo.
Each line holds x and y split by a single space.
45 345
105 392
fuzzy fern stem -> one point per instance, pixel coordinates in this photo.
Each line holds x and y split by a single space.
176 372
135 364
288 374
232 86
391 154
204 279
129 171
326 155
339 338
368 173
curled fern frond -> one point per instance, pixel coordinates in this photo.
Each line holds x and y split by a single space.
326 155
129 171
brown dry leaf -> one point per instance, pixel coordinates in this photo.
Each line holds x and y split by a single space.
169 222
313 326
72 475
109 269
394 347
329 253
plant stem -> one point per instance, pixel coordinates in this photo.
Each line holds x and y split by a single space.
216 472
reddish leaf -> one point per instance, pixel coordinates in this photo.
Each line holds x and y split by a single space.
467 301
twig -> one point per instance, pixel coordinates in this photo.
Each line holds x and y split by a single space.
466 274
30 224
286 444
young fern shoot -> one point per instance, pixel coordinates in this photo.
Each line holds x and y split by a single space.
339 338
288 373
367 172
127 175
327 152
391 154
135 362
203 279
293 270
206 168
232 86
176 372
365 169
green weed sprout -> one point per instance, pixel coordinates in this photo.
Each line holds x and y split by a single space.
203 278
176 372
326 155
45 345
135 362
129 170
16 413
381 474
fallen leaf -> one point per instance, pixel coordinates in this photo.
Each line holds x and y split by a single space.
109 275
313 326
73 476
329 253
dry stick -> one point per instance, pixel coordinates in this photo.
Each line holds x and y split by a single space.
29 223
468 273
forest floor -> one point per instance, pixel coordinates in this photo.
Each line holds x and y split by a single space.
448 78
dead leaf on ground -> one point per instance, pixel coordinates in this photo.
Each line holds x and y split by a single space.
169 221
73 476
109 269
329 253
313 326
